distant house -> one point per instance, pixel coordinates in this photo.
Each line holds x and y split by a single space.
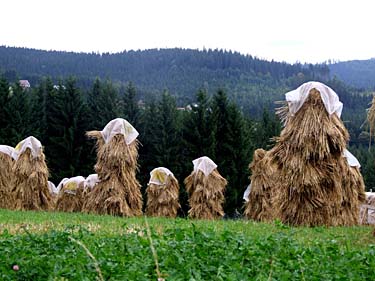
25 84
141 104
186 108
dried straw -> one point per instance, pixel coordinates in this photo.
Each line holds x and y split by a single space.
367 210
30 188
118 192
162 200
206 195
6 198
71 200
259 207
315 185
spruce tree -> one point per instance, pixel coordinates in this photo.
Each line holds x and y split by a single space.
41 100
130 107
67 126
17 115
233 148
198 130
103 104
4 99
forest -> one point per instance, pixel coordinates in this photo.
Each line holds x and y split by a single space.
184 103
170 136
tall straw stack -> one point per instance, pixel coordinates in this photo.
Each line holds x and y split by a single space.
118 192
162 194
315 184
6 163
263 173
71 194
205 187
367 210
30 189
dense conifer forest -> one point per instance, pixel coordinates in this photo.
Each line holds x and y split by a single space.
184 103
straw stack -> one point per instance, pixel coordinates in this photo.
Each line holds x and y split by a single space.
367 209
162 194
118 192
258 204
205 187
315 184
71 194
30 188
6 163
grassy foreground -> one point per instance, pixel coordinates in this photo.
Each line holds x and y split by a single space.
62 246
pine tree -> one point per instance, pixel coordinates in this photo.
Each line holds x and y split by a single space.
233 148
66 136
103 104
161 135
4 99
41 101
268 127
17 116
130 107
198 130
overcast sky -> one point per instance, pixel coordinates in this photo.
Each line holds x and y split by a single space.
284 30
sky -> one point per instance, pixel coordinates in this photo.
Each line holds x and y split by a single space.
311 31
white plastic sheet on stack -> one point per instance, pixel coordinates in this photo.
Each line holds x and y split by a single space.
352 160
247 193
52 188
119 126
32 143
70 185
369 209
205 164
297 98
159 176
91 181
6 149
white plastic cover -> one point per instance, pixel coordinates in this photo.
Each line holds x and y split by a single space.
70 185
205 164
30 142
297 97
91 181
247 193
6 149
119 126
352 160
159 175
369 194
52 188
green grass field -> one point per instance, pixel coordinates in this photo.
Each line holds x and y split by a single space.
64 246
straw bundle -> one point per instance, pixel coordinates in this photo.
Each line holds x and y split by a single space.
118 192
206 194
162 198
6 198
71 196
367 210
30 189
315 186
259 204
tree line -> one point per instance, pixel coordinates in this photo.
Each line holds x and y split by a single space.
60 114
248 80
212 125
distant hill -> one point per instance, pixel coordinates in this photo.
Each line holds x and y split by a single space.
358 73
248 80
253 83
